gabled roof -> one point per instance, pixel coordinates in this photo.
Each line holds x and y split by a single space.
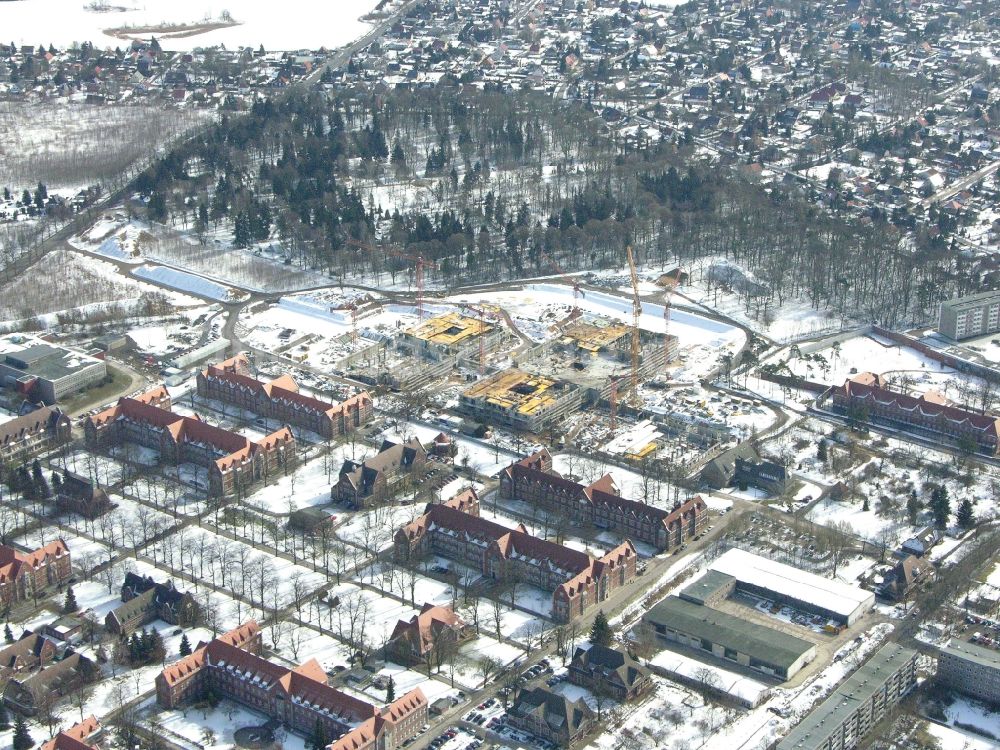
13 562
30 424
615 665
366 733
863 388
283 388
559 712
30 644
74 738
422 629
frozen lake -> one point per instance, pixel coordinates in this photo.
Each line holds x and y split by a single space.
301 25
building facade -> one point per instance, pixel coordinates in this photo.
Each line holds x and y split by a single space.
551 716
849 713
231 382
970 316
599 504
230 666
609 671
57 679
413 640
577 580
867 398
234 462
46 372
370 483
24 656
83 736
77 494
145 600
23 575
970 669
25 436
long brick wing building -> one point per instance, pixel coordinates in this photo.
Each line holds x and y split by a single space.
233 461
232 383
23 574
599 504
299 698
577 580
868 398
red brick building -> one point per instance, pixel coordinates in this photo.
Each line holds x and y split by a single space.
232 383
234 462
599 504
82 736
412 640
230 666
23 574
577 580
867 398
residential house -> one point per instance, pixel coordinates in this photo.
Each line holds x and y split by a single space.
611 672
30 652
146 600
83 736
721 470
29 695
905 576
550 716
921 543
365 484
310 520
413 640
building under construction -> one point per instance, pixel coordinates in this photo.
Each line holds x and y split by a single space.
521 400
449 336
592 352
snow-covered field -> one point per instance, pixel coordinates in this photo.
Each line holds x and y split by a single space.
189 282
297 26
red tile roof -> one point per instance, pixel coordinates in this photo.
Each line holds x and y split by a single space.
866 386
12 561
74 738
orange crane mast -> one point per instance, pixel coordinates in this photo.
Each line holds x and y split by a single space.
418 273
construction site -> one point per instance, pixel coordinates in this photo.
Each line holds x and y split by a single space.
521 400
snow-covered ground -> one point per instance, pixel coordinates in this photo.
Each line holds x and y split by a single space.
189 282
737 685
297 26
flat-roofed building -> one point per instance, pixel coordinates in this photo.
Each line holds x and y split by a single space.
45 371
970 316
521 400
731 638
797 588
843 719
970 669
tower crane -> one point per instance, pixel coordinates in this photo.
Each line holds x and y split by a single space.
419 263
636 313
577 291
